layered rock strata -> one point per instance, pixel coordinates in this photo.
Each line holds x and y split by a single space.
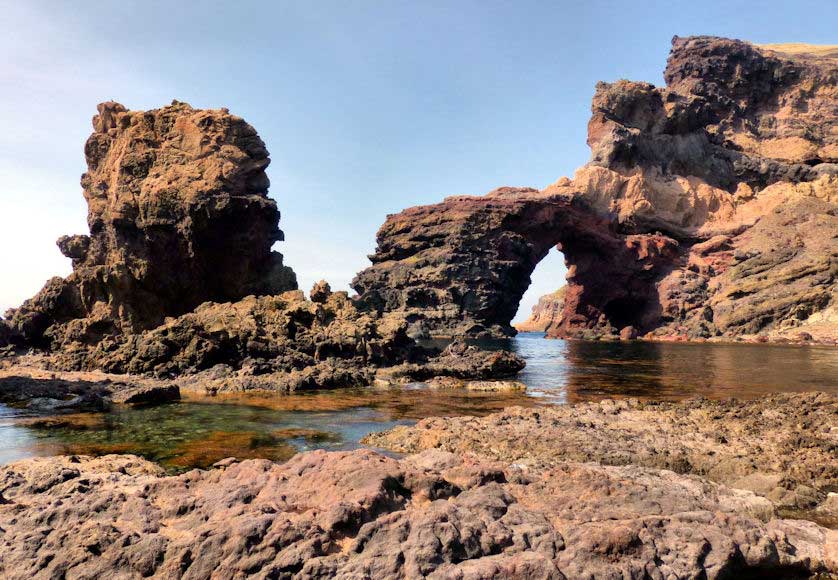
545 314
708 210
363 515
178 214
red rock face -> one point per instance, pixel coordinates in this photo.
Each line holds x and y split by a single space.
461 267
178 215
708 209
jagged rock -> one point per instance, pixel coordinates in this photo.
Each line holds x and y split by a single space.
707 210
260 335
279 343
320 292
178 215
545 314
362 515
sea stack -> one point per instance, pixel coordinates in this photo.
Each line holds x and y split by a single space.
179 214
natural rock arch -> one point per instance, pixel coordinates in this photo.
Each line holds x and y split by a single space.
461 267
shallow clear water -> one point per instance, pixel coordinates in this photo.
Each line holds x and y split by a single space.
196 432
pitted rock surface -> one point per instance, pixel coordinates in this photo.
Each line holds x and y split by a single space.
362 515
782 446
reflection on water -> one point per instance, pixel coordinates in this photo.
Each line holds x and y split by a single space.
197 432
575 371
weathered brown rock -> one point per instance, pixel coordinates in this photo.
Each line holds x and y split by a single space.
460 267
178 215
362 515
278 343
707 210
545 314
782 446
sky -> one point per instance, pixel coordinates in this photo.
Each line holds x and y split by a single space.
367 107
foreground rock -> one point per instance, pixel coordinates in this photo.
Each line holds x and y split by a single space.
783 447
362 515
546 314
707 211
178 215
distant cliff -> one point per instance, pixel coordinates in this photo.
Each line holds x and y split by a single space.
545 314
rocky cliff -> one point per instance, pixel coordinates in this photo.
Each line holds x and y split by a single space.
545 314
708 210
178 214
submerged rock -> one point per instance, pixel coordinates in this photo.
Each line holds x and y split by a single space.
362 515
707 210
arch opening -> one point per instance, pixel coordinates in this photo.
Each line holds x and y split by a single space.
541 304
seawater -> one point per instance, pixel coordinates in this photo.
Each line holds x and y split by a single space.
196 431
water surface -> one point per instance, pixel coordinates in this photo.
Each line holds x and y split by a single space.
196 432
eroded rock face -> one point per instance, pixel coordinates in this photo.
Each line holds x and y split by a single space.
708 210
545 314
362 515
460 267
178 214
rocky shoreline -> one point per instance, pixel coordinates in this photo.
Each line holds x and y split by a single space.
566 492
706 213
782 447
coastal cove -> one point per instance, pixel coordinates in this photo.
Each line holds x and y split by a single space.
198 430
180 406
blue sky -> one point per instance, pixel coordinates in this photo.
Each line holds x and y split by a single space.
366 107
